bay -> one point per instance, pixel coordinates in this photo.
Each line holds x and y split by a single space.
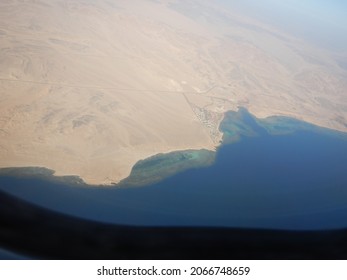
277 173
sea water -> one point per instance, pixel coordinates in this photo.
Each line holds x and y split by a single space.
277 173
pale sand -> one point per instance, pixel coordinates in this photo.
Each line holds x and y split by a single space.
88 88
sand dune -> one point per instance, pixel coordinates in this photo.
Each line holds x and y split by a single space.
88 88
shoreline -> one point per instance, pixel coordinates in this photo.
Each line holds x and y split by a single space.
145 172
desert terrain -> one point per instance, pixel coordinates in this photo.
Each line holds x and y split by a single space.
88 88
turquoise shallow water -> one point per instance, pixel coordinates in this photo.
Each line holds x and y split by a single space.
294 178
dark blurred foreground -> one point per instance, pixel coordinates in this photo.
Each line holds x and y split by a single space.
41 234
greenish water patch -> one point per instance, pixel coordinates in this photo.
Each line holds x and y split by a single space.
41 173
284 125
279 125
158 167
238 124
242 123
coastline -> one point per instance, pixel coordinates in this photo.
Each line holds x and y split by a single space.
176 161
287 181
159 166
82 106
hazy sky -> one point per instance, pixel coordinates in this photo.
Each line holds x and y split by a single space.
322 22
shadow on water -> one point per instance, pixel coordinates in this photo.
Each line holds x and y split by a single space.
42 234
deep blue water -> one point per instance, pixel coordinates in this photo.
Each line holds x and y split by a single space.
293 181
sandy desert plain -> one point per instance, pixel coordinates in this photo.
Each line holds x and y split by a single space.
89 88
